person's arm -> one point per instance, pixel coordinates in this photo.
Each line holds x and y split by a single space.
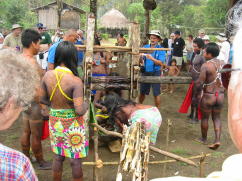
160 59
177 71
80 106
44 99
6 42
51 58
199 83
96 100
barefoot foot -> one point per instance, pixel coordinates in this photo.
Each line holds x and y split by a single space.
214 146
201 140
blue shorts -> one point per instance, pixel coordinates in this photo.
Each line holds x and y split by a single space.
145 87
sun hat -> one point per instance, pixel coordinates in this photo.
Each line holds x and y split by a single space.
15 26
221 37
155 32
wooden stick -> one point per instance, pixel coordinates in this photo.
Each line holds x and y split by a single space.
120 48
171 155
201 165
150 162
169 124
164 80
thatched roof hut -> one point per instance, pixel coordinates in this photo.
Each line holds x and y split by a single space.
48 15
114 19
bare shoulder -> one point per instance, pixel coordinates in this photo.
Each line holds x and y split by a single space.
76 80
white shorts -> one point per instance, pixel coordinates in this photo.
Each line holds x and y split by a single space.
178 60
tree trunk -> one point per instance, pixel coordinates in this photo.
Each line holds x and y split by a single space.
59 10
147 26
93 9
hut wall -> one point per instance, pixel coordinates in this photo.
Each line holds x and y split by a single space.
70 19
48 17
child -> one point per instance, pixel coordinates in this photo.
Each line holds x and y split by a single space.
173 72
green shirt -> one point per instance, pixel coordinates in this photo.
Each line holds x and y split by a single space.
13 41
45 38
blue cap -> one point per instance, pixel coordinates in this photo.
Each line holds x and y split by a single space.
40 25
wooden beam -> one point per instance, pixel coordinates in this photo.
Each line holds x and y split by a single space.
165 80
142 79
150 162
102 48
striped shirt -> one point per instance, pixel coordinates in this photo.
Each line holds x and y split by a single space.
15 166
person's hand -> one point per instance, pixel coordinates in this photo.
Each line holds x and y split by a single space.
45 112
104 109
149 57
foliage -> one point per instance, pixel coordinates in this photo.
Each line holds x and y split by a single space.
187 15
105 36
215 12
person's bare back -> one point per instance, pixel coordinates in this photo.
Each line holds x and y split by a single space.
69 83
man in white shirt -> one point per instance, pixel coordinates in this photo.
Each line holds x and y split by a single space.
224 48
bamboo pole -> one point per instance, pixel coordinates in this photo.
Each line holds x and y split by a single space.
101 48
157 150
169 124
150 162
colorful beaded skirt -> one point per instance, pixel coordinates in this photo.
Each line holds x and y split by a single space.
68 133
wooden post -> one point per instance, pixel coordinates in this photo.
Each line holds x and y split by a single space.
59 10
89 53
135 44
147 27
169 124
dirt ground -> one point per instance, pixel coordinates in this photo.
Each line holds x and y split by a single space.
182 142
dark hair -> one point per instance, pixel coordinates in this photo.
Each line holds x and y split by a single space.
213 49
190 36
173 60
29 36
199 42
121 34
66 53
114 103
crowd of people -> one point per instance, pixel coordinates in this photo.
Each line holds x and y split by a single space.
54 78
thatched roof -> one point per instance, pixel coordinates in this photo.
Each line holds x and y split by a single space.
114 19
65 6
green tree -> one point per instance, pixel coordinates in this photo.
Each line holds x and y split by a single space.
215 12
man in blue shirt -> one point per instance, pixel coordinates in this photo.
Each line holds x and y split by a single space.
152 67
71 36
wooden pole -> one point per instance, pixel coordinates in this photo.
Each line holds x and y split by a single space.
157 150
120 48
147 27
135 44
89 53
169 124
150 162
201 165
59 10
165 80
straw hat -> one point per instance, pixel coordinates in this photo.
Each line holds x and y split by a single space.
155 32
221 37
15 26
